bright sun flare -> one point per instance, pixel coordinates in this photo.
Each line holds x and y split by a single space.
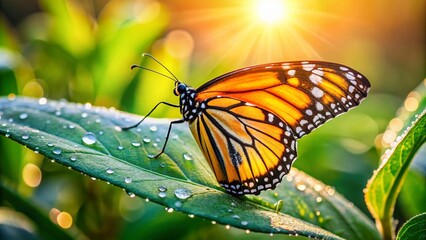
271 11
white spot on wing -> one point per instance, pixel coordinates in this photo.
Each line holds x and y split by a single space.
291 72
318 72
270 117
319 106
315 79
318 93
308 67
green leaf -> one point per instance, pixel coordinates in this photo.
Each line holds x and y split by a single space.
415 228
386 183
179 179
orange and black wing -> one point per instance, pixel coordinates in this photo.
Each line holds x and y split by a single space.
303 95
252 117
249 148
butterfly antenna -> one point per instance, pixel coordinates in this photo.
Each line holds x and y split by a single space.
156 60
148 69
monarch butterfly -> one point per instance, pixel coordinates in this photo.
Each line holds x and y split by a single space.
247 122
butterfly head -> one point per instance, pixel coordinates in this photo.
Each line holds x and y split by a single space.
180 88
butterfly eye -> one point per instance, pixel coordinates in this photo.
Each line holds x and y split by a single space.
180 88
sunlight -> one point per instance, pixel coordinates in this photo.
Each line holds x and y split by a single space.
259 30
271 11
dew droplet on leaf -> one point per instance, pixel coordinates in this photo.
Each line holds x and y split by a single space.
89 138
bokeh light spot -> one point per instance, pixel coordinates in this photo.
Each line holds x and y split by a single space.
33 89
53 214
64 220
396 124
411 104
179 44
31 175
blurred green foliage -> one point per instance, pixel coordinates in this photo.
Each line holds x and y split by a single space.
82 51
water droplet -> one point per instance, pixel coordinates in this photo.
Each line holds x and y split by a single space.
23 116
235 217
89 138
57 151
244 223
183 193
330 190
162 194
109 171
7 135
153 156
93 178
228 227
319 199
101 132
230 210
153 128
25 136
162 188
247 231
84 115
58 113
73 158
50 144
42 101
71 126
178 204
120 147
161 164
132 195
301 187
136 144
87 105
118 129
146 140
128 180
213 222
98 120
187 156
318 187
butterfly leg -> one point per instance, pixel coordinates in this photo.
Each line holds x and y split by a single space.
168 134
152 110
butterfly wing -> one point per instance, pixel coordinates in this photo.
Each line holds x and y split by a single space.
253 116
249 148
304 95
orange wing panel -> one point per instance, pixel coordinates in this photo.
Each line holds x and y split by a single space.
271 103
245 82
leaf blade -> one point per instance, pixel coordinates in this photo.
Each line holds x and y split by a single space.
55 129
385 184
415 228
